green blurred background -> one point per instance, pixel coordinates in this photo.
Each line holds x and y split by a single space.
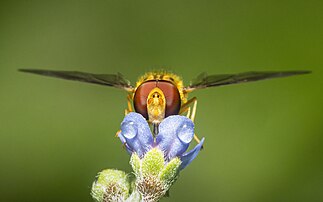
263 140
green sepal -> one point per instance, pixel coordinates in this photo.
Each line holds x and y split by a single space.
135 163
170 172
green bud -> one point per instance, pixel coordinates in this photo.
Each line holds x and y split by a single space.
153 178
111 185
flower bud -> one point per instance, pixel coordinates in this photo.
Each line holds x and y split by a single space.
111 186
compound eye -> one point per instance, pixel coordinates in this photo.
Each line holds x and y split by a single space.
172 98
140 97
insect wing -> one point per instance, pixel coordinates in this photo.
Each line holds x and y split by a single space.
204 80
114 80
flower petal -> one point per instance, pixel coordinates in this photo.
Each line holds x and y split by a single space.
123 140
188 157
135 132
175 134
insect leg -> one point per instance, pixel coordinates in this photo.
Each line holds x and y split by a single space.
187 108
193 117
188 112
197 139
194 108
117 133
129 101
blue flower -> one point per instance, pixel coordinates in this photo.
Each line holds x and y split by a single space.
174 137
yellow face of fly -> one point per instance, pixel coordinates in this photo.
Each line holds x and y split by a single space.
156 105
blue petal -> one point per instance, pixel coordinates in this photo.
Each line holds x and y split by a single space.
188 157
123 140
135 132
175 134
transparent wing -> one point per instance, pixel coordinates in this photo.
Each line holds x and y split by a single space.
114 80
204 80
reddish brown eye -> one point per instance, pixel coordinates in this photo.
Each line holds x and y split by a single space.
140 97
173 99
172 96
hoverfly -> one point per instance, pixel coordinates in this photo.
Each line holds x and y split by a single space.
160 94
